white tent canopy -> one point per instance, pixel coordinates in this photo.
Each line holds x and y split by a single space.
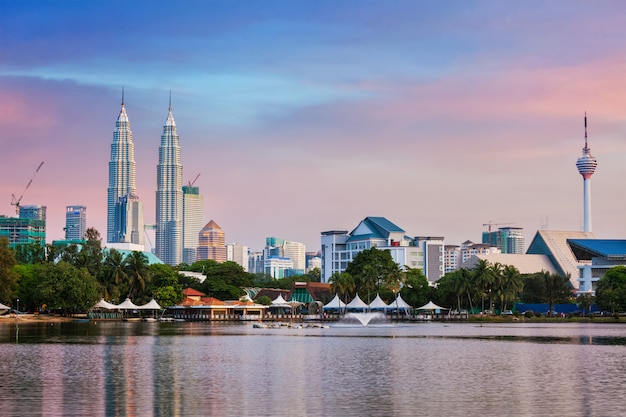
378 304
399 304
3 307
152 305
127 305
335 304
280 302
357 304
105 305
431 306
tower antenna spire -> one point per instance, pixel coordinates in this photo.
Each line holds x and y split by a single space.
585 129
170 100
122 95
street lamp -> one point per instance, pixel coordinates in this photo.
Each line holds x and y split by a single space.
18 305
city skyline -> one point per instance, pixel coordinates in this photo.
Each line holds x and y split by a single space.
305 117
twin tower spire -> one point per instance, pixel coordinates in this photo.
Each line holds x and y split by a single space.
125 222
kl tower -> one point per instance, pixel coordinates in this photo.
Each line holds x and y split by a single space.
586 165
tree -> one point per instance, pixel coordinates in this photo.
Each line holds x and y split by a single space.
416 290
557 289
113 274
511 285
90 255
138 272
67 288
164 285
8 277
342 283
30 253
611 289
484 278
369 268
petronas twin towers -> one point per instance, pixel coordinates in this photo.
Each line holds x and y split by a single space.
125 210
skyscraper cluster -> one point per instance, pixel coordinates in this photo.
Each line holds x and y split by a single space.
125 221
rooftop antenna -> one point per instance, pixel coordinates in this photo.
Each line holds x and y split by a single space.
122 96
585 129
170 100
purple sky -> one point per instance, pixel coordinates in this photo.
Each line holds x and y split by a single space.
308 116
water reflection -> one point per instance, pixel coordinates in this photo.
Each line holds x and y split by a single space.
185 369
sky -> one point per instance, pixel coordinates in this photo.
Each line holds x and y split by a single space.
302 117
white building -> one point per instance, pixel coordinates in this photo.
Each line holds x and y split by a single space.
339 248
237 253
278 267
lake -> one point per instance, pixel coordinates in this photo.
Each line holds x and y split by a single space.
203 369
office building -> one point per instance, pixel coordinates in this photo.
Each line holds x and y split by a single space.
169 195
212 243
123 205
193 219
75 222
238 253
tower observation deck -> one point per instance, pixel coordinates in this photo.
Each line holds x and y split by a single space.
586 165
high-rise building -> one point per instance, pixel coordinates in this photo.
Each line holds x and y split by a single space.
586 165
295 251
169 195
75 222
23 231
129 220
193 208
507 239
124 210
33 212
212 243
238 253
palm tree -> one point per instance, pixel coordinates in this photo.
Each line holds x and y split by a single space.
342 283
138 273
511 286
114 274
395 280
463 285
483 277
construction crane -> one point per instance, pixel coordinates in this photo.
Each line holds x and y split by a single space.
493 224
16 201
191 183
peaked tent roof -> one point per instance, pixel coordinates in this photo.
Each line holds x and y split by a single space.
3 307
152 305
127 305
357 303
335 304
104 304
431 306
280 302
399 304
378 303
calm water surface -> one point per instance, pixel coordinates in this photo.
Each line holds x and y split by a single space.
201 369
